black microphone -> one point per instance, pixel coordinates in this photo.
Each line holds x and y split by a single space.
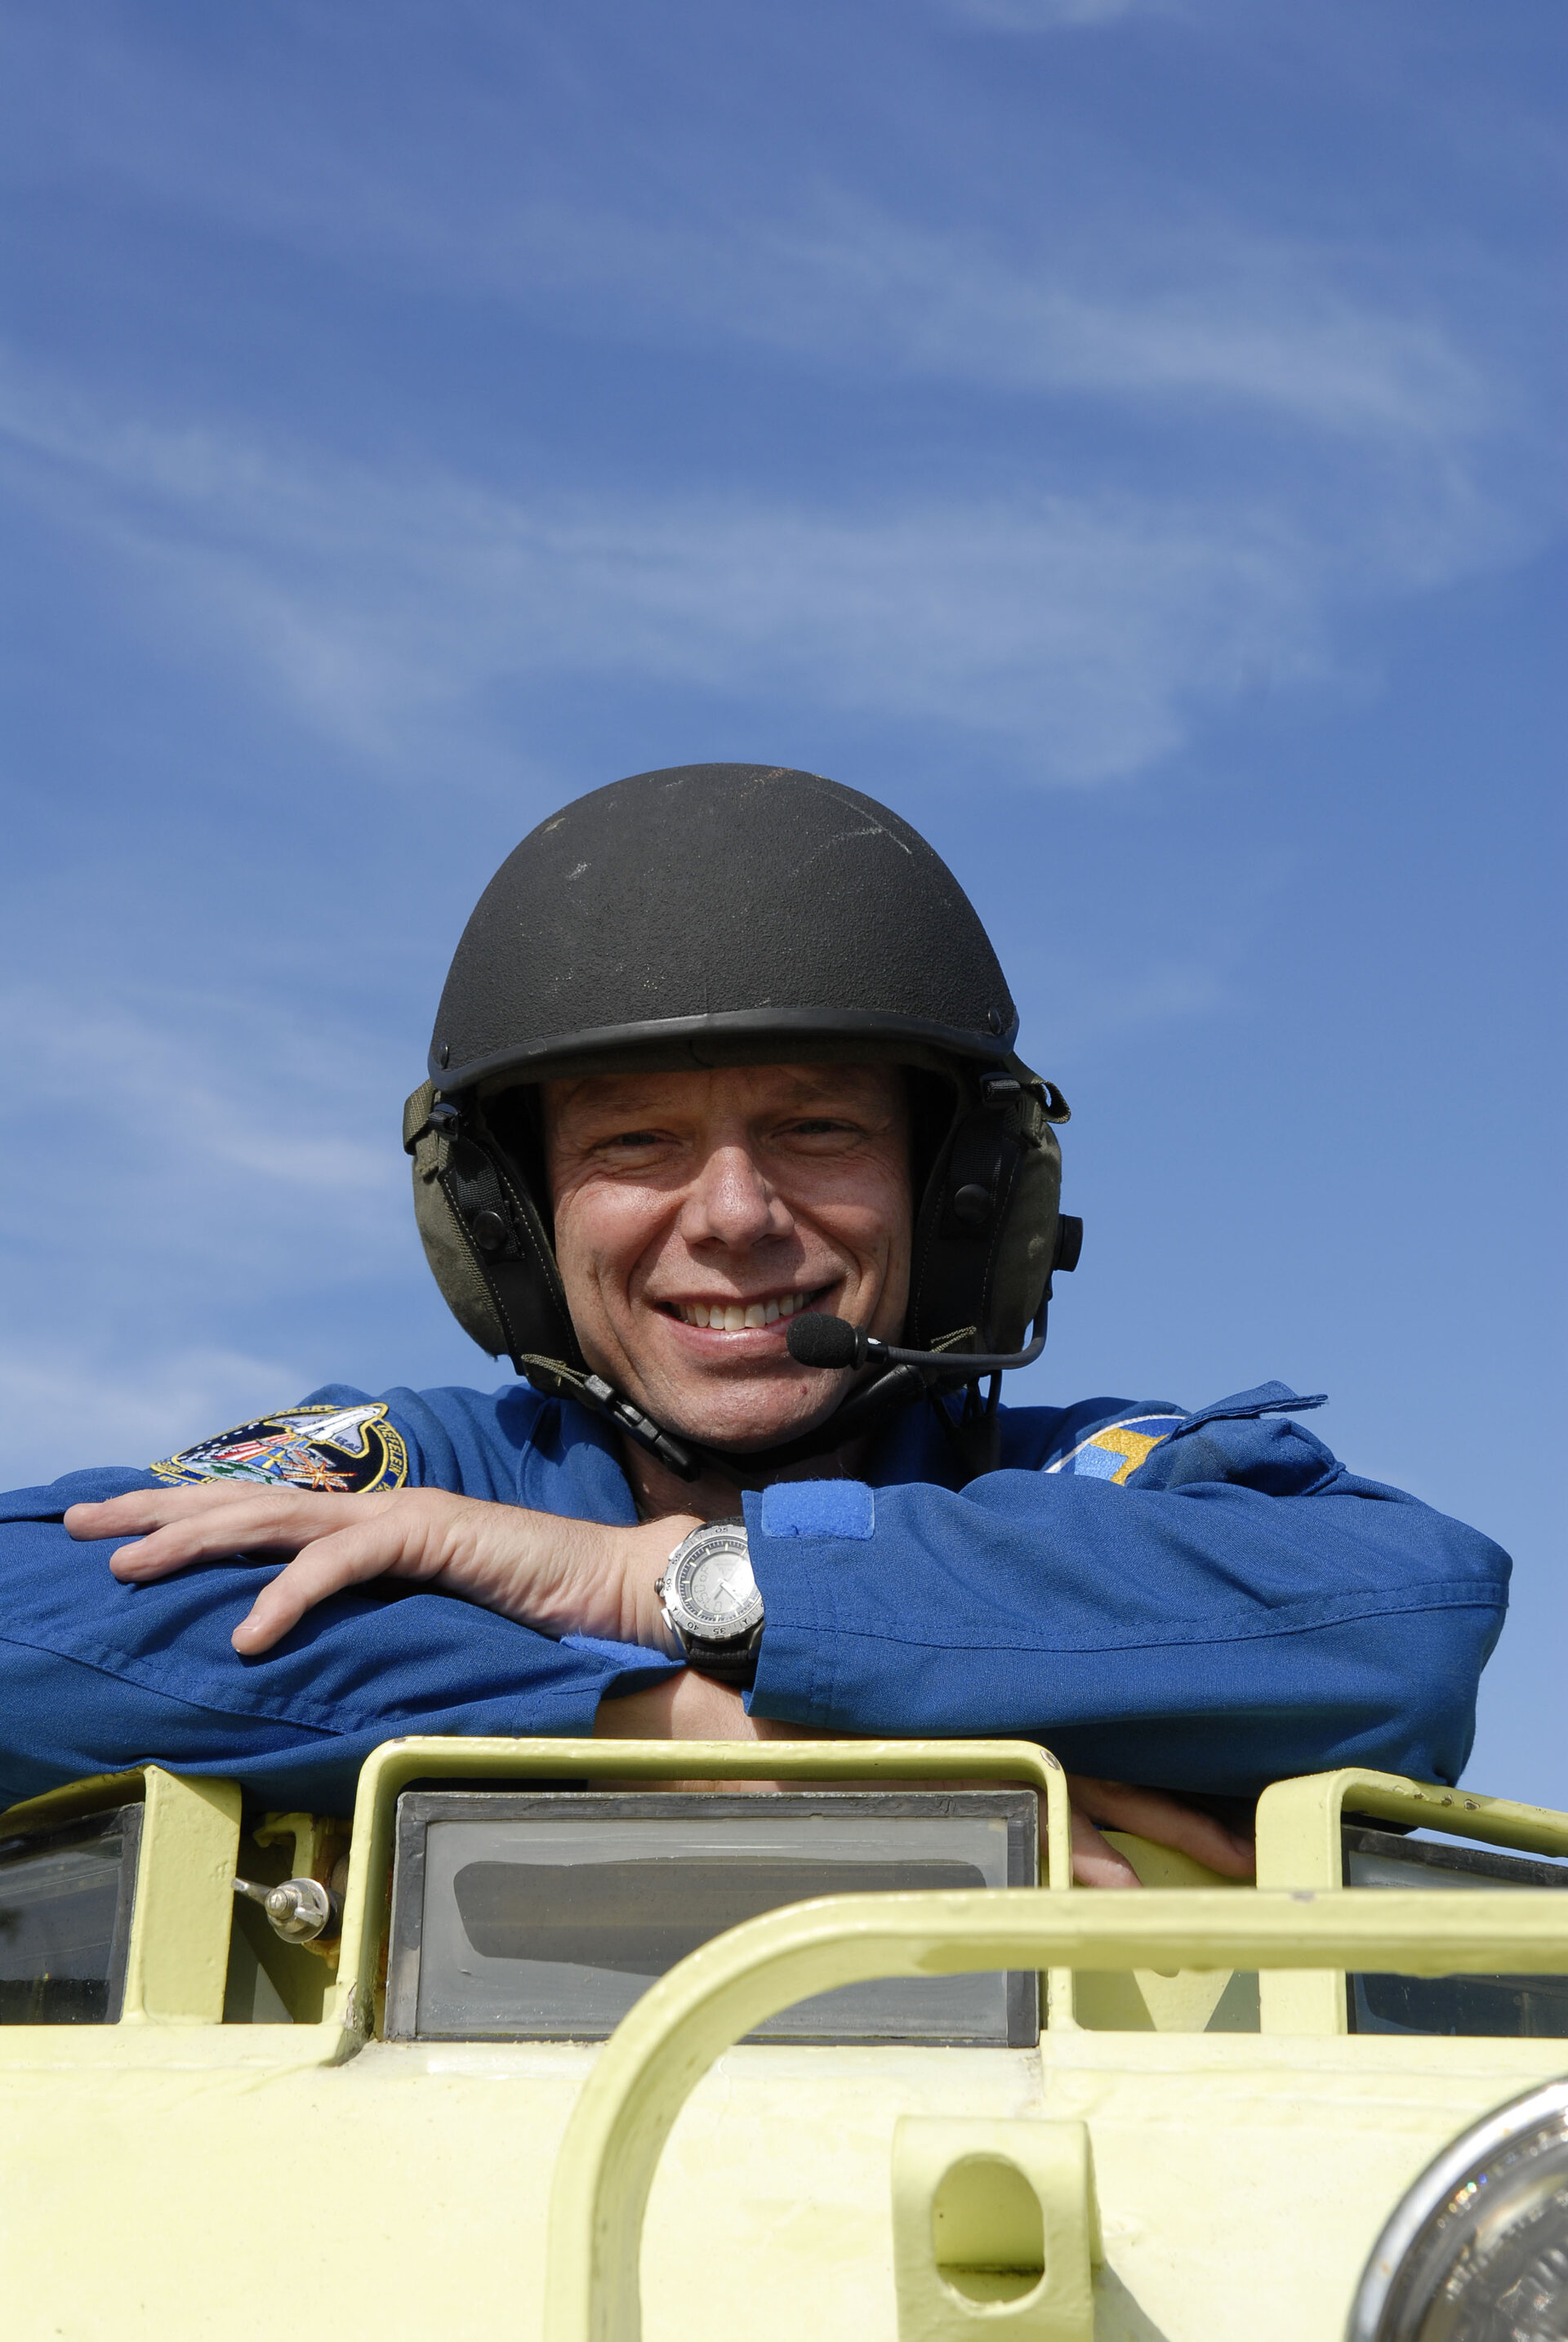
813 1340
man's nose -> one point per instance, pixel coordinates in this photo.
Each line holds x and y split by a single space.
732 1201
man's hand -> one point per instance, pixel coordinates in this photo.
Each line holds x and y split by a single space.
562 1577
1146 1813
691 1706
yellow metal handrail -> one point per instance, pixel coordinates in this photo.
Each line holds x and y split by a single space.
1298 1828
684 2022
1299 1820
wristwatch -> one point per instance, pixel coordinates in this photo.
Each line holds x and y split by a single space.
711 1603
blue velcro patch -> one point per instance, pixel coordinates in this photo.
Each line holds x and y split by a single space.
819 1508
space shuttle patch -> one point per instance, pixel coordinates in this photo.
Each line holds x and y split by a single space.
1115 1452
341 1450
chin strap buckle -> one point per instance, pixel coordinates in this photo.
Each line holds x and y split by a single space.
639 1426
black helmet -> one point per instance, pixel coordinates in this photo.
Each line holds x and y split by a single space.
732 914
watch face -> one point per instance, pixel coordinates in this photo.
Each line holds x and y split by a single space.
715 1594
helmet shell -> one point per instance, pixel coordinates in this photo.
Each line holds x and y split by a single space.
690 915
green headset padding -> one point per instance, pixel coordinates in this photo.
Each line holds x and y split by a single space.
985 1233
487 1247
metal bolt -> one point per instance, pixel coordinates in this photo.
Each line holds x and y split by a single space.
300 1910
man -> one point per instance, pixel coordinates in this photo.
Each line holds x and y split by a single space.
724 1050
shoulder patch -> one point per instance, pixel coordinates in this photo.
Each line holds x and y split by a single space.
1115 1452
342 1450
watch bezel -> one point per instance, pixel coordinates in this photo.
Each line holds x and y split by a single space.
695 1626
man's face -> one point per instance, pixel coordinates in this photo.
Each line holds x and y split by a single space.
695 1213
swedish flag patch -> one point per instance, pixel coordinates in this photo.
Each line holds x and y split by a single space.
1115 1452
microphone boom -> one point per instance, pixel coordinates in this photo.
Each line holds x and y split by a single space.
815 1340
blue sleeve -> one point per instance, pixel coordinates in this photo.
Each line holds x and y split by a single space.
1242 1608
95 1676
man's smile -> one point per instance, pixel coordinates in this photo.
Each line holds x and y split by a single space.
737 1316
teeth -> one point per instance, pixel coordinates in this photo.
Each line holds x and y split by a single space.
734 1318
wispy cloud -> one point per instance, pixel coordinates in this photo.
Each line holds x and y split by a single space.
1086 628
1050 15
196 1181
1198 310
1161 291
1092 1006
1342 432
192 1150
61 1406
1045 15
191 1084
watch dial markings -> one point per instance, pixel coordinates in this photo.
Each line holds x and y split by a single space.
713 1586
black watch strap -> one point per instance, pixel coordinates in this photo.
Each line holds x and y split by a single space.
731 1663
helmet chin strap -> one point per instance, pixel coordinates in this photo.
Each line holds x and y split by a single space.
865 1410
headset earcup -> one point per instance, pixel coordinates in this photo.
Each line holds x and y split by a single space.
1025 1244
453 1261
985 1232
485 1243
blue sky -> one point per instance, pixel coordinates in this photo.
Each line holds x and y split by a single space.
1118 436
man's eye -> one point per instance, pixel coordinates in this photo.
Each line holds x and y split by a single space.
631 1141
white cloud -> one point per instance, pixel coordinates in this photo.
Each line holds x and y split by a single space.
1151 292
1087 628
197 1187
1093 1006
61 1406
1392 440
1193 308
180 1163
1049 16
188 1084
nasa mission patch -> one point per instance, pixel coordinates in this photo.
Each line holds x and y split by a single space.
341 1450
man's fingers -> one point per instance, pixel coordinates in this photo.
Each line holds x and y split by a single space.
149 1509
1164 1820
263 1520
328 1566
1170 1823
176 1544
1095 1862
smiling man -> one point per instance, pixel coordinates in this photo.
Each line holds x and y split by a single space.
727 1145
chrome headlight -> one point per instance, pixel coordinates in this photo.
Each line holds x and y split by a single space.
1478 2250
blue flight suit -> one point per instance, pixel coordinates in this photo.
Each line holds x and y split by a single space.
1203 1601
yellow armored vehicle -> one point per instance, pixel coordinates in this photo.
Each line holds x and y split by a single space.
580 2039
